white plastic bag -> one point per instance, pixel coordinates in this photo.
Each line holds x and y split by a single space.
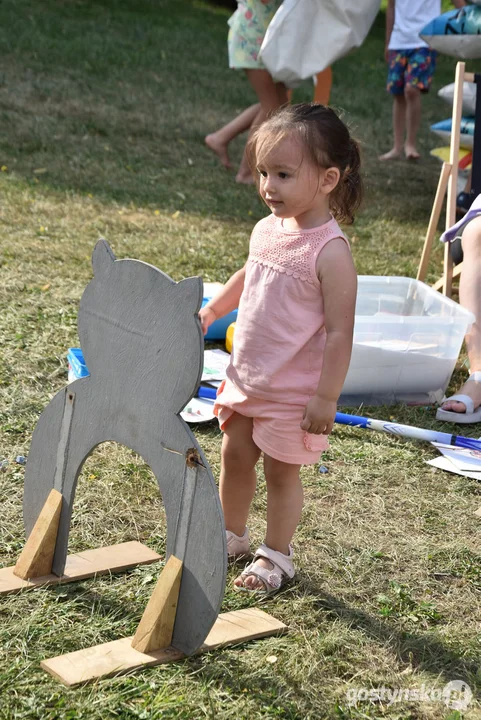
306 36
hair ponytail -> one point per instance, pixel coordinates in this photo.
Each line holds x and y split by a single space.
347 195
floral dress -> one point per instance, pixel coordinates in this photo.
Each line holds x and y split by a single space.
248 26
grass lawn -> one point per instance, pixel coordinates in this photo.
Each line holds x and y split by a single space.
103 107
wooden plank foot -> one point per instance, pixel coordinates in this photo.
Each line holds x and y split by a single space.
110 559
36 557
118 657
157 624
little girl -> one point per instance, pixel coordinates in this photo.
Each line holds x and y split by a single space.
296 296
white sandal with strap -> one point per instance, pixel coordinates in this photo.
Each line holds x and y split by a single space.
273 579
463 418
238 546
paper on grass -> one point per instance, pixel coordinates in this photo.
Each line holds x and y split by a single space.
198 410
444 463
462 458
215 365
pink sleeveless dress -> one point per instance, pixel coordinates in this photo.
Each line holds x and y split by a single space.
279 340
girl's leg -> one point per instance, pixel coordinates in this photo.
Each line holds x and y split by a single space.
237 476
271 96
284 507
219 140
398 124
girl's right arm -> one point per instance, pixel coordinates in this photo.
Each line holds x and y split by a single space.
223 303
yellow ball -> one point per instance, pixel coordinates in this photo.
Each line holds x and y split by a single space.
229 337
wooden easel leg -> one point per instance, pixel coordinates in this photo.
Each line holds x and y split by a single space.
157 624
434 220
37 556
453 178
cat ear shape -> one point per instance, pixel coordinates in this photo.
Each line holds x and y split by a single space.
191 292
102 257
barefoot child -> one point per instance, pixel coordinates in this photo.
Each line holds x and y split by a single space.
411 66
296 296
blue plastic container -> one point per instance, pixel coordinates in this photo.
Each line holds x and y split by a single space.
76 364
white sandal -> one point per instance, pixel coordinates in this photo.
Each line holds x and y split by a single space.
273 579
238 546
463 418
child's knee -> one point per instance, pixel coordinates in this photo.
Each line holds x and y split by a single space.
411 92
279 473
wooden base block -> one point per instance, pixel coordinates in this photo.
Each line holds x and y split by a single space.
118 657
156 628
37 555
110 559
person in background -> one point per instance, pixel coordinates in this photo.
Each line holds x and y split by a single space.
411 65
465 406
248 25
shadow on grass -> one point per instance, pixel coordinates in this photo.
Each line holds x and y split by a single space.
420 651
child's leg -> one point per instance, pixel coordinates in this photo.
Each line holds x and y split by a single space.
237 477
284 506
398 125
271 96
219 140
413 119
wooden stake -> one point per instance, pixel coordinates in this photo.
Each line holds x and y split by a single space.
37 556
453 177
157 624
434 220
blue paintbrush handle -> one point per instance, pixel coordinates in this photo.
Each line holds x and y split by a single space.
408 431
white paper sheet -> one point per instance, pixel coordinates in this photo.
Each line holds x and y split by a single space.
462 458
215 365
444 463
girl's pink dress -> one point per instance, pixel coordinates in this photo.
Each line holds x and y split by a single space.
279 341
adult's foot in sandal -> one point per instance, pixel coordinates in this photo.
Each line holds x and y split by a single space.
471 388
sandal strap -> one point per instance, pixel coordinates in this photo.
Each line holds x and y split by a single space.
279 560
476 376
270 578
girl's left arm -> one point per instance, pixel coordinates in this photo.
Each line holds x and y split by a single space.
338 278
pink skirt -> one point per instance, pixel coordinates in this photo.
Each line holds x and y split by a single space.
276 427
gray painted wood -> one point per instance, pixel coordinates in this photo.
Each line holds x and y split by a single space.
143 346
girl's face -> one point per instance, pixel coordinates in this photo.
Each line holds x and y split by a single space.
292 186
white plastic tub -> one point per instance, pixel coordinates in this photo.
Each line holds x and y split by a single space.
407 338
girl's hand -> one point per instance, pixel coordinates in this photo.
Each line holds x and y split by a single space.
319 416
206 317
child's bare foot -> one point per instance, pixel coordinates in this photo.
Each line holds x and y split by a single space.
393 154
219 148
411 152
245 178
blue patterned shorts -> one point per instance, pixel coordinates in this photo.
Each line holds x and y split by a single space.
410 67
